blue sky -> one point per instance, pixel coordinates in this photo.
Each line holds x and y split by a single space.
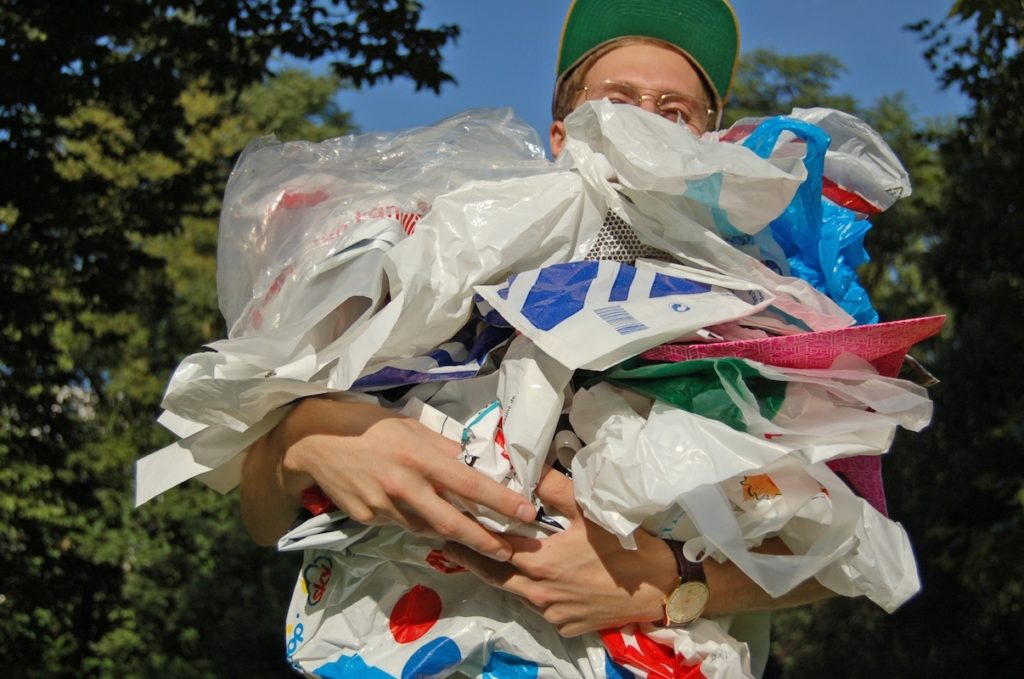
506 55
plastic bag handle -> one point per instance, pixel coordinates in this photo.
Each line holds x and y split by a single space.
710 510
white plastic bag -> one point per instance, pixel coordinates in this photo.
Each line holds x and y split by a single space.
677 474
595 314
290 206
684 195
861 171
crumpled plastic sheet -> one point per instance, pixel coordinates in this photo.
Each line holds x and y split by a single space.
402 612
291 208
410 259
786 405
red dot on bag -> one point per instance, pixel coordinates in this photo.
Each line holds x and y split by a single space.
414 614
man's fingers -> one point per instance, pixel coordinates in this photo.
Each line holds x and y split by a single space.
475 487
501 575
451 524
575 629
555 490
494 573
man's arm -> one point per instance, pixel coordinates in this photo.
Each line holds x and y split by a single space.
732 591
378 467
582 580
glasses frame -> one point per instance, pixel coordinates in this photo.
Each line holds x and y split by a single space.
714 116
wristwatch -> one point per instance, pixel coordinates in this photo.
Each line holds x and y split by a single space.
686 602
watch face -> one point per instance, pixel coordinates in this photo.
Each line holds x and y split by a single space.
687 602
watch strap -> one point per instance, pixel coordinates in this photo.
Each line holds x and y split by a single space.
689 571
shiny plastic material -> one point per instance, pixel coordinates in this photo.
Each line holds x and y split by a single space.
824 243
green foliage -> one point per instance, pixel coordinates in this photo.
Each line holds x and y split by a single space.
901 237
768 83
957 487
979 265
117 138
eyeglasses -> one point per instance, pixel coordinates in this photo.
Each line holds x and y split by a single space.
681 109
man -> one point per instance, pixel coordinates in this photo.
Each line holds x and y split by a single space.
674 58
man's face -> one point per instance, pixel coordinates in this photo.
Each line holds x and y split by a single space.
649 67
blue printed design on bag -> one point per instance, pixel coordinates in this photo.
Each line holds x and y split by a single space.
295 636
477 342
441 356
350 667
386 378
663 286
433 659
503 293
620 319
487 313
503 665
559 292
614 670
623 282
562 290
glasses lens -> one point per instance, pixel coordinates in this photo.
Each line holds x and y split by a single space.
617 93
677 108
688 110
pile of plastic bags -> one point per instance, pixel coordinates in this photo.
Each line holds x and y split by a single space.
682 313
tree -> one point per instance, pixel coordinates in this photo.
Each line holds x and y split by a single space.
958 487
768 83
193 562
973 542
120 122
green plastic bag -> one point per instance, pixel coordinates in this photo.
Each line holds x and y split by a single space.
698 386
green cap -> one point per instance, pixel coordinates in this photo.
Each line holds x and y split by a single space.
705 30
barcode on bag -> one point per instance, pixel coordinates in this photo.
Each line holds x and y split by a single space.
620 319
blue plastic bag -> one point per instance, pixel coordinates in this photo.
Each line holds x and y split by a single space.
823 242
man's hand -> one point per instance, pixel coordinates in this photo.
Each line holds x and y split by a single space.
377 466
580 580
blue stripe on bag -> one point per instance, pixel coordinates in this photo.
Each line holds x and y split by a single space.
558 293
664 285
623 281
